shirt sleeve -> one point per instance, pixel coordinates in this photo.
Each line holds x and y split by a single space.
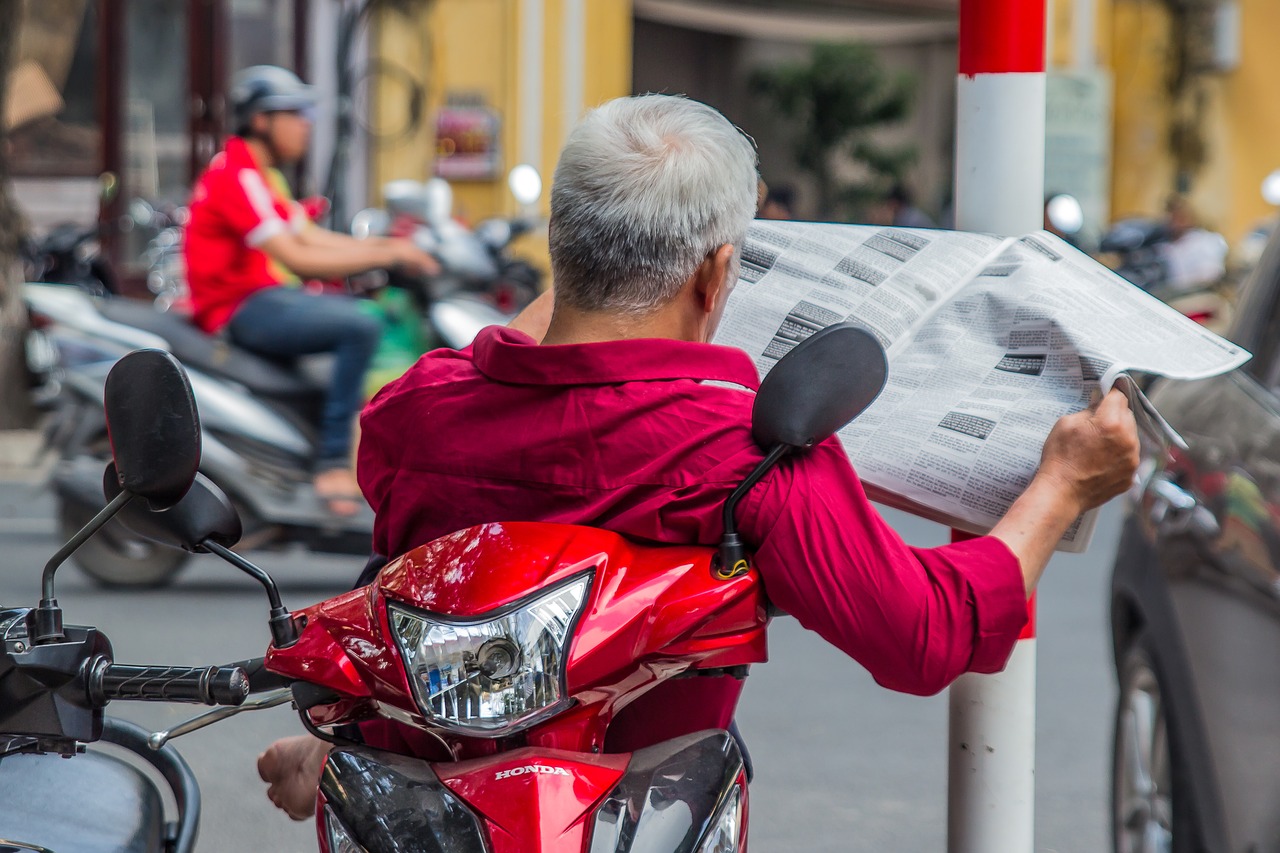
248 208
916 618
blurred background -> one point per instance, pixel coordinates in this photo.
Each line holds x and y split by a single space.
1162 121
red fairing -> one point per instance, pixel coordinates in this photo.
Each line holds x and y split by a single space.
652 612
535 799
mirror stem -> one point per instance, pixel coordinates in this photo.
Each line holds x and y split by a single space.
47 618
284 632
733 553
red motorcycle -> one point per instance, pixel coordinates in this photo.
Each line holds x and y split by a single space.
509 647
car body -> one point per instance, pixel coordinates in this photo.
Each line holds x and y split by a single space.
1196 609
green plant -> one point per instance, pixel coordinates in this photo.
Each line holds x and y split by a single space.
836 101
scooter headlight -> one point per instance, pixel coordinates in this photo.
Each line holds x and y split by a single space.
491 676
726 829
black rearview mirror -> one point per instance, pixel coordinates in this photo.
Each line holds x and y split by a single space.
823 383
153 426
204 514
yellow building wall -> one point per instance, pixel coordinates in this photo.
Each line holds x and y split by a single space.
1250 115
473 47
1239 115
1143 171
1239 111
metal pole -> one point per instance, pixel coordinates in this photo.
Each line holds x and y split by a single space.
1000 101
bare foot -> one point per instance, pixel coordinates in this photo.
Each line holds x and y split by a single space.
291 768
338 488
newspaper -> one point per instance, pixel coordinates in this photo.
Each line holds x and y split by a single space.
989 340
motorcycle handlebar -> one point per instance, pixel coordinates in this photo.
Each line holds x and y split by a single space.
261 679
209 685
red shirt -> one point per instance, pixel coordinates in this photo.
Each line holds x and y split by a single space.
629 436
235 208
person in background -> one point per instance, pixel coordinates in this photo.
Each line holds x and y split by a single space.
902 210
249 245
1194 257
779 203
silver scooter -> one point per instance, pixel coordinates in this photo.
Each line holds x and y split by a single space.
259 419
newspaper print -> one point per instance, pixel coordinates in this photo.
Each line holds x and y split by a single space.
989 341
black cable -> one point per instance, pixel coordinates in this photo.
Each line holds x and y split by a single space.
329 737
349 79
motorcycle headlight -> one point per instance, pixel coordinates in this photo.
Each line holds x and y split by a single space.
339 837
726 829
491 676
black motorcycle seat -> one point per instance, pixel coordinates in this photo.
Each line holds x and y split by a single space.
214 355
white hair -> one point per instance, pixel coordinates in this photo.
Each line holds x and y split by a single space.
646 188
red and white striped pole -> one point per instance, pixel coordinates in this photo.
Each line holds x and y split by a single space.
1000 100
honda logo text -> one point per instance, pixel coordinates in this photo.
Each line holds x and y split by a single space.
531 768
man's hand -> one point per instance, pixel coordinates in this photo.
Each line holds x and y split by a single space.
291 768
1088 458
1093 454
408 257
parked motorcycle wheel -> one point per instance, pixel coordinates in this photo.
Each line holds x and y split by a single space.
115 557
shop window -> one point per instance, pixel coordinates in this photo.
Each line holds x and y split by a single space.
53 93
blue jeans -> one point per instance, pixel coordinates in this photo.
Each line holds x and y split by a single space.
280 322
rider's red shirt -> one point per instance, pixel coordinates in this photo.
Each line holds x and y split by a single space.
647 438
236 207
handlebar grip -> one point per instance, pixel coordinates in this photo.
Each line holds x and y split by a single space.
209 685
260 678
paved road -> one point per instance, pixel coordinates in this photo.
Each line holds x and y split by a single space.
841 764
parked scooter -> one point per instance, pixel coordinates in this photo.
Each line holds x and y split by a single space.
70 254
260 420
474 263
261 416
1140 250
514 660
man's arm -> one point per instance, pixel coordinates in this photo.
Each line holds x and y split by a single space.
1088 458
917 618
324 259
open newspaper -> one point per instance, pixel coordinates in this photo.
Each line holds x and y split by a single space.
990 341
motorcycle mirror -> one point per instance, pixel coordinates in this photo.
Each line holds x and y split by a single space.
525 184
204 514
823 383
370 222
141 212
1271 188
1065 213
153 426
438 199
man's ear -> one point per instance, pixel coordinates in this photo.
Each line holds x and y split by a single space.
712 278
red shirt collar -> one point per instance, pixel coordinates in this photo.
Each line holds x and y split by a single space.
239 154
506 355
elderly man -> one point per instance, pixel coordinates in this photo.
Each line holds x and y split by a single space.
624 416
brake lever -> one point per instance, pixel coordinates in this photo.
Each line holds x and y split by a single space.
266 700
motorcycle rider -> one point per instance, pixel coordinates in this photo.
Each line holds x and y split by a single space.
620 414
1194 257
248 244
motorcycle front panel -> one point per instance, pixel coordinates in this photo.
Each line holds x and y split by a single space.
662 799
395 804
670 796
